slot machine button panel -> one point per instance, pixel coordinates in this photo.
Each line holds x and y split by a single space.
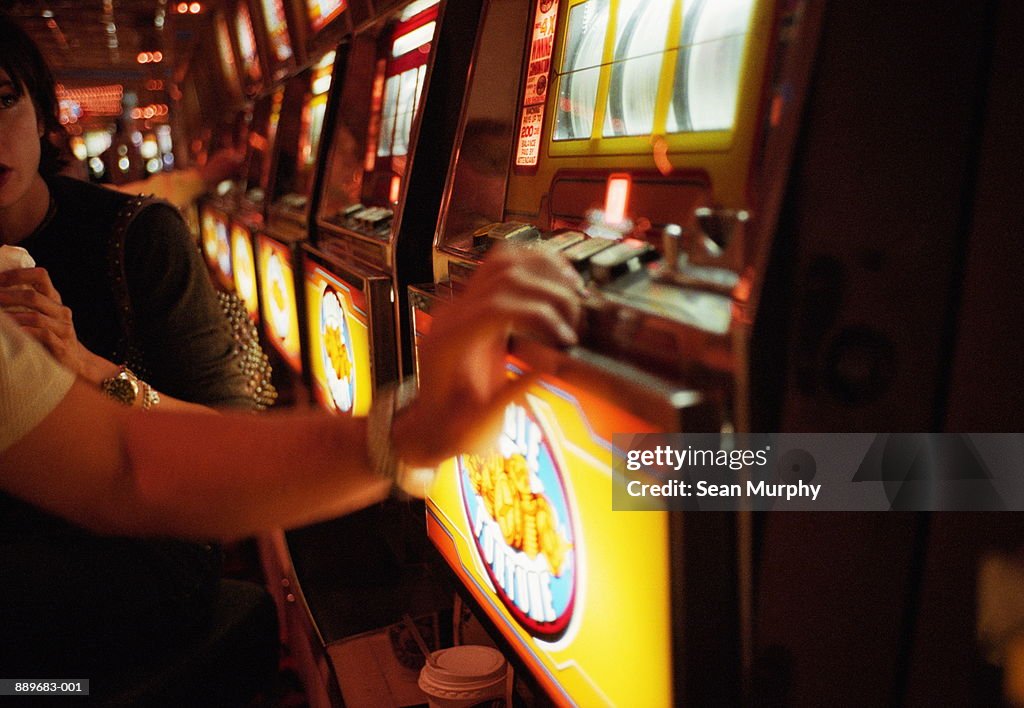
505 232
581 253
627 256
562 239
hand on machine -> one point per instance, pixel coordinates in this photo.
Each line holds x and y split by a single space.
532 293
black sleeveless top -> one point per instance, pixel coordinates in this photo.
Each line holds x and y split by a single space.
74 604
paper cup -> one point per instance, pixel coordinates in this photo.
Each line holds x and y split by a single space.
12 257
465 676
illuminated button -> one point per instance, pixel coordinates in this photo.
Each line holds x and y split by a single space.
581 253
564 238
508 231
622 258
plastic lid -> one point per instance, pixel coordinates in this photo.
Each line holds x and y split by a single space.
465 668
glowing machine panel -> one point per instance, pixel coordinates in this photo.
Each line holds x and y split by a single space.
246 36
323 11
279 307
338 323
529 529
243 262
277 31
213 227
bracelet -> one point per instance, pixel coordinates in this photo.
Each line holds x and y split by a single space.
387 402
150 397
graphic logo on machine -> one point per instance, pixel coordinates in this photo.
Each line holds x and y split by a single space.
518 511
336 350
278 296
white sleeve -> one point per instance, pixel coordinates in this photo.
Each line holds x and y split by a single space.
31 383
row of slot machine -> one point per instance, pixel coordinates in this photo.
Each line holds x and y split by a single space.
653 143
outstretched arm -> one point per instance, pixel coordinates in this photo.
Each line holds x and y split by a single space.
120 471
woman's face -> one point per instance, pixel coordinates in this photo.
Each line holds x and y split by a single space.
19 143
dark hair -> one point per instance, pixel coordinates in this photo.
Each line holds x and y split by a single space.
24 64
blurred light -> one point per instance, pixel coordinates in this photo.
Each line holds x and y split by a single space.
144 57
47 13
396 189
616 198
322 85
194 8
123 164
96 141
158 57
136 138
122 150
136 113
182 8
154 165
149 149
169 160
96 165
78 148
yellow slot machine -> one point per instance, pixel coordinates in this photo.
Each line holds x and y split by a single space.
251 69
214 229
296 147
376 201
394 125
629 143
278 38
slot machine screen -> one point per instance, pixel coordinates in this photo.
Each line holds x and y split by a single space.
704 54
246 36
279 308
266 116
228 66
338 326
528 528
307 96
214 228
321 12
367 164
276 22
313 119
667 93
243 262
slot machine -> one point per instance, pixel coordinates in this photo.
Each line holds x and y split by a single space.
874 264
214 229
251 69
629 142
296 144
375 206
394 126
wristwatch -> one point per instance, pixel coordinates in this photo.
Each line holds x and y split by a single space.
125 388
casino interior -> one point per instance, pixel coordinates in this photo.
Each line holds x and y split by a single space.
791 216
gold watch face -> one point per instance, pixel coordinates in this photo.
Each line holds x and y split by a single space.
122 388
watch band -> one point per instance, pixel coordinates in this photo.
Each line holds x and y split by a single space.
122 387
150 397
126 388
384 460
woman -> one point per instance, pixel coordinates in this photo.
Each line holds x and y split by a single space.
180 345
175 351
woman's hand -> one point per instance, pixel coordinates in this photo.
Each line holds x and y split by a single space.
40 312
463 384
